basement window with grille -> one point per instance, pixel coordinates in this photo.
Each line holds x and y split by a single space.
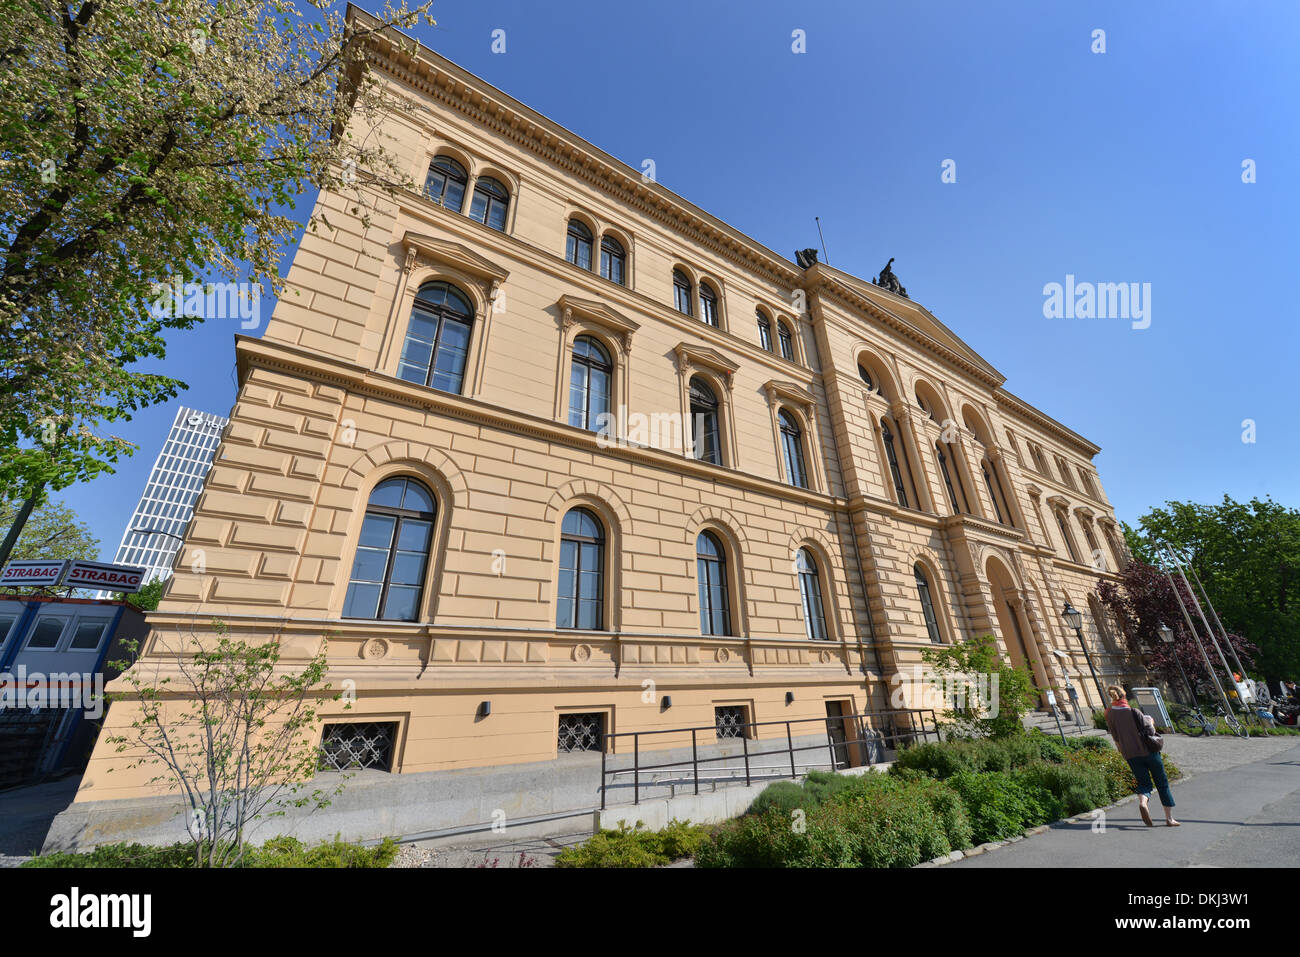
730 720
358 746
581 732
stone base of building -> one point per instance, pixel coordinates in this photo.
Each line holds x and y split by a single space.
528 800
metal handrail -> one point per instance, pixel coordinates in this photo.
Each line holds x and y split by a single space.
858 722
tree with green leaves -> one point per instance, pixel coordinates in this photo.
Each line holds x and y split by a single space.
991 695
230 728
1247 556
146 144
53 532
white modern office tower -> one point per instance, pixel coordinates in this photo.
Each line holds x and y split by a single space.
154 532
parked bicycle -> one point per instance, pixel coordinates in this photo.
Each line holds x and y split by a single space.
1193 722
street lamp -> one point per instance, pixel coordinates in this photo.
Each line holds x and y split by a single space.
1074 618
1167 636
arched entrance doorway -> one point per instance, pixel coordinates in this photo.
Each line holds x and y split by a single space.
1013 623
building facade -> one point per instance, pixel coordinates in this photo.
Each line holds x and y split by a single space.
544 436
157 526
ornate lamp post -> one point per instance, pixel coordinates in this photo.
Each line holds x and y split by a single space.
1167 636
1074 619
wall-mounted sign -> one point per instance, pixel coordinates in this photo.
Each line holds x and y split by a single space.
125 578
32 572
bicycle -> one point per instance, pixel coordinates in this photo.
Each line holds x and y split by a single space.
1193 722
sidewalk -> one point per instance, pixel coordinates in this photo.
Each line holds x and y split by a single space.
26 813
1233 815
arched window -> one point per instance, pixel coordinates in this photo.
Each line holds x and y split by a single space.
682 293
577 248
392 553
1094 553
445 183
892 456
958 502
792 448
708 304
437 338
1066 536
613 260
764 331
787 341
921 404
589 383
991 480
927 604
865 375
711 568
581 592
704 422
810 590
490 202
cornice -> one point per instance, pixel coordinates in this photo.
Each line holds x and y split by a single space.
438 78
1022 409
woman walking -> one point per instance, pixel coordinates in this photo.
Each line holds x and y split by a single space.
1123 723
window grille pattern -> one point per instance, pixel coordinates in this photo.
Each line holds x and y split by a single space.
581 732
358 747
730 720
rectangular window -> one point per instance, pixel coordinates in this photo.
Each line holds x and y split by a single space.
46 633
360 746
731 721
581 732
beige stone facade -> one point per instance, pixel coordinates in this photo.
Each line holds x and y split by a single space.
322 418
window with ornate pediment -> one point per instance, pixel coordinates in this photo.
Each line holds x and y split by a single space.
590 381
796 473
704 422
437 338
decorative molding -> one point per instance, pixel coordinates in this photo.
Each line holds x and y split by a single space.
791 391
688 354
597 312
445 252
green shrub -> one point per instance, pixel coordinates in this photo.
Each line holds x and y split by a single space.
1001 806
938 760
635 846
947 807
1090 743
277 852
783 796
1050 747
1077 787
1099 721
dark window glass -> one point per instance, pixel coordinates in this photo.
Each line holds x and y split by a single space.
613 261
991 484
711 567
792 447
445 183
87 635
437 339
787 343
894 470
927 604
682 292
708 304
764 332
704 422
392 553
1065 536
810 590
589 384
581 590
866 376
577 249
946 470
490 203
46 633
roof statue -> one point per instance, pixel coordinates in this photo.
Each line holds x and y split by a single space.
887 280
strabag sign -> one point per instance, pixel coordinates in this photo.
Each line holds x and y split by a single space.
33 572
125 578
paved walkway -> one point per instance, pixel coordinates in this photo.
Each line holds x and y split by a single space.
26 814
1247 815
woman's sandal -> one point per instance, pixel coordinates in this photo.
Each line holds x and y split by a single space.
1146 816
1173 823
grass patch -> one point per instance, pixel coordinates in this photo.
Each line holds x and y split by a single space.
636 847
277 852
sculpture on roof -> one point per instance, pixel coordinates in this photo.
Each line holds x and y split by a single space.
805 257
887 280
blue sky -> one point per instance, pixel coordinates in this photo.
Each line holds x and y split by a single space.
1123 166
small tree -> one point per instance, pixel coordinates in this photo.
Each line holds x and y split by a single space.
232 732
989 695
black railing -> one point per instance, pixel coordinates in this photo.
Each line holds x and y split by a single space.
895 728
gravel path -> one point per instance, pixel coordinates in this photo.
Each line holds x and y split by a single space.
1195 755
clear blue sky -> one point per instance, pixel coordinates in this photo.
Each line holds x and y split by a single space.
1115 167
